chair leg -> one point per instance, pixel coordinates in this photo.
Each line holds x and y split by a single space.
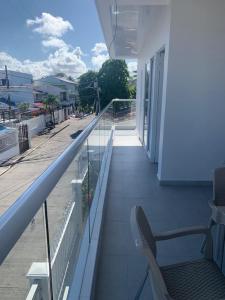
140 289
223 246
211 223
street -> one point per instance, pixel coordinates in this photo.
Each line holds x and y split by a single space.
16 179
31 247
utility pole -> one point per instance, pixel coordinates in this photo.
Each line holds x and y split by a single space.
98 108
7 83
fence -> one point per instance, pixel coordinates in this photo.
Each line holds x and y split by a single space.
8 144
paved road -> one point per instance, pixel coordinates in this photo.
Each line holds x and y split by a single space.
19 177
31 246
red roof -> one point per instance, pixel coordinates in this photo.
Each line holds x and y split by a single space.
39 105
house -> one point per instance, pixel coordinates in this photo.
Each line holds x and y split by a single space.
64 88
165 166
42 89
20 87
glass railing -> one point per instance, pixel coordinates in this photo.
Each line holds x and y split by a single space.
124 114
41 234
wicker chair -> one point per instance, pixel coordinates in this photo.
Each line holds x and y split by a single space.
194 280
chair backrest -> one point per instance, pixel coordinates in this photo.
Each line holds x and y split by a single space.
219 187
145 242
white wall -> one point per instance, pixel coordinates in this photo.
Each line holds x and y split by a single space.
5 155
154 35
17 78
47 88
59 116
193 135
20 94
35 125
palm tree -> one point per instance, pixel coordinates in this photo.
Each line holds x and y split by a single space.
51 102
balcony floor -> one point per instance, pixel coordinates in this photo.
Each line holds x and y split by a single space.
133 181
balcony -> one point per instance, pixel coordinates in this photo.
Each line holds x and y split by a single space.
133 181
68 236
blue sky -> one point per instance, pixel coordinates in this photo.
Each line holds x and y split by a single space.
46 36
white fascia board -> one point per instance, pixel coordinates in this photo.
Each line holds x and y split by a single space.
103 9
143 2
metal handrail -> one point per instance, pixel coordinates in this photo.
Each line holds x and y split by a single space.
17 217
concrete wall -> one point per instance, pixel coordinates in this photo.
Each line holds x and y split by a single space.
35 125
6 155
193 135
12 151
59 116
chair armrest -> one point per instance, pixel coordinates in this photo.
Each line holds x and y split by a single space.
173 234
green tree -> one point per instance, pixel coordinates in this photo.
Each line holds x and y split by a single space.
87 91
23 107
132 90
113 80
51 103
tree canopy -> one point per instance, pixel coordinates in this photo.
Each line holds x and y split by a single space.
23 106
87 92
113 80
51 102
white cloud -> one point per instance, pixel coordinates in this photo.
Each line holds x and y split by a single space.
100 55
49 25
78 52
54 42
97 61
62 60
99 48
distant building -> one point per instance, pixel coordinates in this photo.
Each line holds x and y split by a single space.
15 78
66 90
20 88
41 90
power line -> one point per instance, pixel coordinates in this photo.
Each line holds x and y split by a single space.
116 27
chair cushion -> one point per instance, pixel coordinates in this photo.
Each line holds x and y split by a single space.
198 280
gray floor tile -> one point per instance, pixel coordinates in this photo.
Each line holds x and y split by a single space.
133 181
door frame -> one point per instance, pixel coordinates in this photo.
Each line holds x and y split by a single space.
156 111
150 93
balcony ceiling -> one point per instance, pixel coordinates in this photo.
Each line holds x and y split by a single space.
120 22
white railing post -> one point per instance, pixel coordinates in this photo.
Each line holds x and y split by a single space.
38 274
77 197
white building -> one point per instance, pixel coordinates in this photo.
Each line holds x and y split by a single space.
20 87
180 49
65 89
42 89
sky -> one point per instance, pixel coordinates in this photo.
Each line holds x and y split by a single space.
45 37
